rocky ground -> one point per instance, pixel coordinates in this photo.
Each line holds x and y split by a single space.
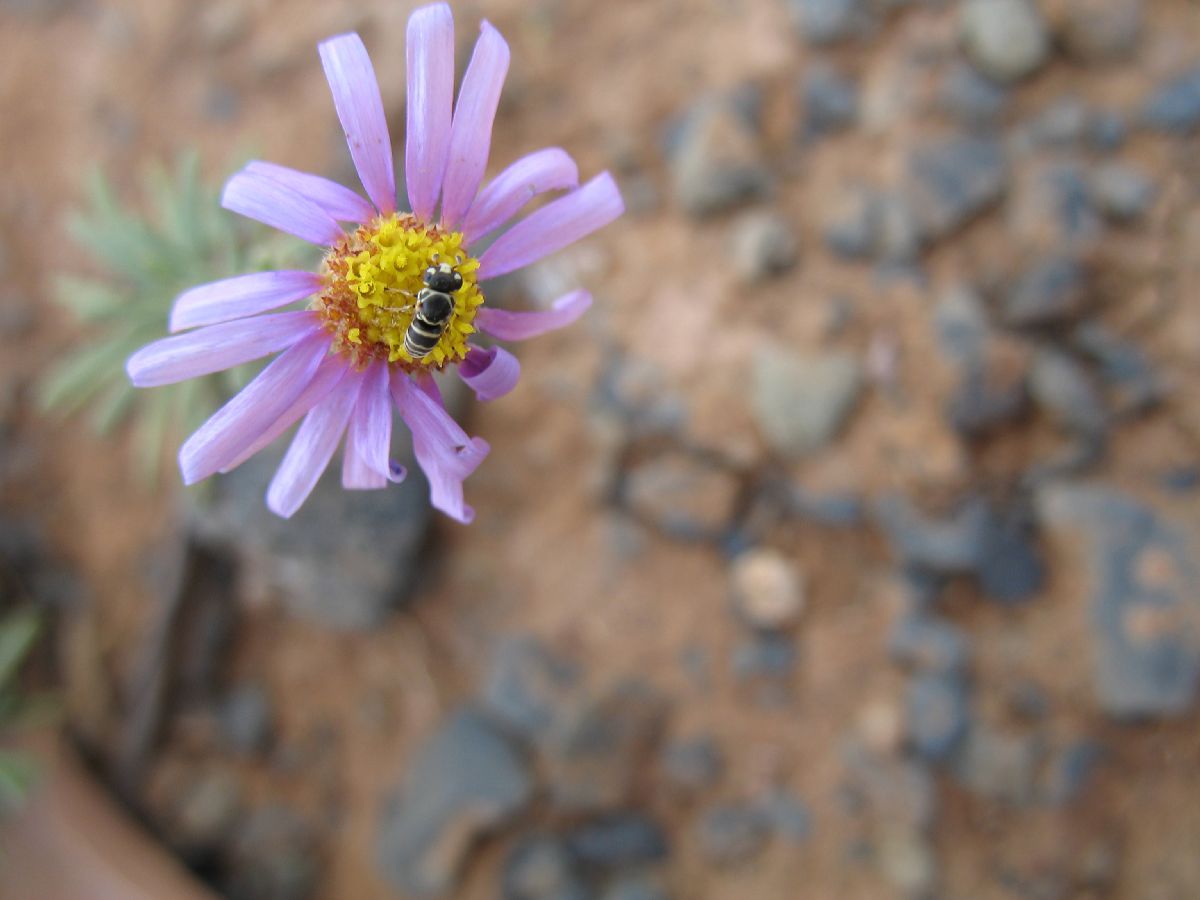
847 549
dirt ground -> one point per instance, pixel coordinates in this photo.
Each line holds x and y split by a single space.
551 553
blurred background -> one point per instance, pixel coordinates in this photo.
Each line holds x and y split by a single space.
846 549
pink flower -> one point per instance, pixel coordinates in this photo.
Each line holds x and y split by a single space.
372 331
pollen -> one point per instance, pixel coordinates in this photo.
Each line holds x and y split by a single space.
372 278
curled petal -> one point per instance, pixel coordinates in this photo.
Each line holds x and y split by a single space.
550 169
471 130
273 203
336 199
446 454
517 326
311 449
430 95
553 227
217 347
232 428
329 374
490 373
241 296
360 110
365 463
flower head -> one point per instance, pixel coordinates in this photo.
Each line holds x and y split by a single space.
397 297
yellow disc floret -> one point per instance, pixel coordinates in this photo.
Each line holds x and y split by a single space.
372 278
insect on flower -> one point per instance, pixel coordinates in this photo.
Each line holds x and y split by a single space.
387 307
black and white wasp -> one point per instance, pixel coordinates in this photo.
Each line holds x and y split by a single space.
432 311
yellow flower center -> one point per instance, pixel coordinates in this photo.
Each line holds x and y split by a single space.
373 278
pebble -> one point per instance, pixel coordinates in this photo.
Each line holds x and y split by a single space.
972 99
906 860
1063 390
937 714
1070 770
1107 131
1052 207
618 841
1011 568
999 766
1122 192
1005 39
1141 593
766 655
693 764
824 22
631 392
1175 106
245 718
768 589
1062 124
851 227
718 163
830 101
764 246
539 868
789 816
897 791
929 644
801 401
951 181
465 780
948 545
1132 381
1101 30
527 687
1048 292
733 834
992 390
688 496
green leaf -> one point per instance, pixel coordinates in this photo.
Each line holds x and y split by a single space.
18 632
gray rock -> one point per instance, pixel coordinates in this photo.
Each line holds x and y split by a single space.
992 390
790 817
1175 106
1107 131
1010 568
1101 30
897 791
631 392
949 545
937 715
718 163
823 22
1049 291
851 228
764 246
929 643
830 102
1063 123
688 496
1143 579
591 757
1052 207
1005 39
765 655
692 764
802 401
618 841
907 862
1122 192
466 780
1070 769
961 322
951 181
999 766
732 834
245 718
834 510
1062 389
1133 383
528 687
540 868
971 98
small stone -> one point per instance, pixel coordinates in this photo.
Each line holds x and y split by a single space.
971 98
539 868
764 246
929 643
895 789
992 390
528 688
881 726
1107 131
962 325
1122 192
1052 207
898 234
851 229
618 841
824 22
830 102
466 780
950 182
1062 389
802 401
1101 30
998 766
732 835
949 545
245 719
1132 381
906 860
767 588
835 510
1011 568
937 714
1070 770
693 764
1005 39
790 817
1061 124
686 495
1048 292
718 163
1175 106
766 655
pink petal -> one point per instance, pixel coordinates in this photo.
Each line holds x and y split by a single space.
233 427
430 95
550 169
553 227
517 326
312 448
360 110
366 464
217 347
328 375
490 373
446 454
266 200
336 199
471 131
241 296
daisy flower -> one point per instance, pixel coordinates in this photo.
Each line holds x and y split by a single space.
398 296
